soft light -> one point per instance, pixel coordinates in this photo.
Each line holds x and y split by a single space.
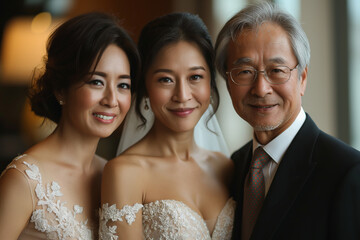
24 46
41 22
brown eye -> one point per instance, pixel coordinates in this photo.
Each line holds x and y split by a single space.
124 86
95 82
277 71
165 80
196 77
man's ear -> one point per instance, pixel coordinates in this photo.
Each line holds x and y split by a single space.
303 81
227 79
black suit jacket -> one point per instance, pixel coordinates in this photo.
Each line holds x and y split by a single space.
315 193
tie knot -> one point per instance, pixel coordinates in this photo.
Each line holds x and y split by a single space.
260 158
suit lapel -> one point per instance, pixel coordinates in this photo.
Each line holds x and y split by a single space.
293 172
242 167
242 164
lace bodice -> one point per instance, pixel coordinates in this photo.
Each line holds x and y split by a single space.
50 216
168 219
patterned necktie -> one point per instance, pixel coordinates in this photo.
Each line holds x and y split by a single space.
254 192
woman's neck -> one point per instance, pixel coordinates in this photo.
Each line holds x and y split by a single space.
74 148
165 142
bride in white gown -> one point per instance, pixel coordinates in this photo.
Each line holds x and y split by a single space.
166 186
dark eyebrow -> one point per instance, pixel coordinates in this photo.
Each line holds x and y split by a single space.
163 70
125 76
102 74
197 68
98 73
170 71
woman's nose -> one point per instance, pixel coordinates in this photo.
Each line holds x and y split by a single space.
183 91
109 99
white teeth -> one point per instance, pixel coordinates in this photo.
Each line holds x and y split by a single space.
103 116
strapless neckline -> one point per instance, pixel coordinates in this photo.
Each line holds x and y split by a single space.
229 202
168 219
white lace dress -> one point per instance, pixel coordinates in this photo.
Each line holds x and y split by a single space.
168 219
51 218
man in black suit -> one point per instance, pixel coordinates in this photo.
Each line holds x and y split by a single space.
310 182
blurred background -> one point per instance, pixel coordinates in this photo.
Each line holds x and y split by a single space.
331 98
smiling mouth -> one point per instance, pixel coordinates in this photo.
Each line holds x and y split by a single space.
269 106
182 112
263 108
103 116
181 109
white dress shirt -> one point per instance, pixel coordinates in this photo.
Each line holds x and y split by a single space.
277 148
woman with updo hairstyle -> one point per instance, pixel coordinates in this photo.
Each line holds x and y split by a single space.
52 191
167 186
69 58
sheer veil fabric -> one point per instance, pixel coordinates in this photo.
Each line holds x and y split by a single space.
211 140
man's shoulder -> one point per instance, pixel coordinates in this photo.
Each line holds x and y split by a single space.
241 152
336 147
329 147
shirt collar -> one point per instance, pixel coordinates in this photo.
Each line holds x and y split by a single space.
277 147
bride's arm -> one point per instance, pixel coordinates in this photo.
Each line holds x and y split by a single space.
15 204
121 200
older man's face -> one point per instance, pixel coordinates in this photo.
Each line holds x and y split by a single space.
268 108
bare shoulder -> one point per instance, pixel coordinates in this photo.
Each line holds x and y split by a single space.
125 168
19 173
15 201
220 164
126 162
14 175
219 159
14 182
136 159
123 188
19 165
124 179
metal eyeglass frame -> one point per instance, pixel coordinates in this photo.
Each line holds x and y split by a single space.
256 74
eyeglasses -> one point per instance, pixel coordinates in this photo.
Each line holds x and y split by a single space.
243 76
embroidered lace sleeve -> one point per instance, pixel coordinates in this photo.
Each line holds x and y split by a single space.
107 213
20 167
50 214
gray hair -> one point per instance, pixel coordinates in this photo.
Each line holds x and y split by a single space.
252 17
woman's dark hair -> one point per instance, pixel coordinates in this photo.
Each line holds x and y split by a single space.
168 29
72 49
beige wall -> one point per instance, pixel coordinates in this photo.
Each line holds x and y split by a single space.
319 100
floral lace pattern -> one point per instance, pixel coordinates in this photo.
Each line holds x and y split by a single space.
224 224
112 213
64 224
170 219
51 216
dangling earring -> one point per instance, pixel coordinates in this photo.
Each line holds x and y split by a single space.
146 107
211 100
61 102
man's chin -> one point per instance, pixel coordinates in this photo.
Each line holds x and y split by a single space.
265 127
